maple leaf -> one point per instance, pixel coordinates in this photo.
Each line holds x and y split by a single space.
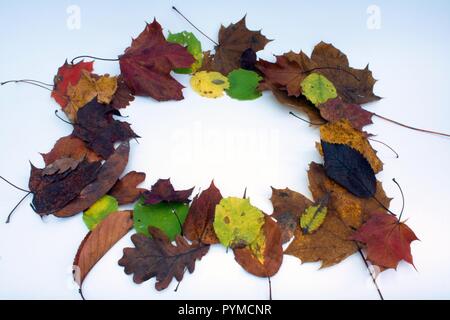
97 127
350 169
88 87
388 241
98 242
163 191
352 210
107 176
199 221
342 132
68 74
234 40
353 85
193 45
146 65
263 257
53 192
335 110
158 257
287 207
70 147
125 190
123 95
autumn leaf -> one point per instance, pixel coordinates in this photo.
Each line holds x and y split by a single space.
68 74
70 147
147 64
188 40
248 60
314 216
61 165
97 127
335 110
199 222
288 205
342 132
243 85
318 89
233 41
349 168
263 257
52 192
209 84
125 190
158 257
87 88
352 210
329 244
388 241
166 216
123 95
352 85
98 242
163 191
99 211
107 176
237 223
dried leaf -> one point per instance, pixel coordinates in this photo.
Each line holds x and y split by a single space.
123 95
125 190
163 191
158 257
335 109
70 147
61 166
188 40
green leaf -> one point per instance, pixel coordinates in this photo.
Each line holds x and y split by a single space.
318 89
99 211
166 216
243 85
237 222
188 40
312 218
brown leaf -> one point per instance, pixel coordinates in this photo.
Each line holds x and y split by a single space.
288 205
335 109
352 210
98 242
123 95
352 85
53 192
97 127
70 147
329 244
233 41
199 221
107 176
163 191
158 257
270 256
61 166
125 190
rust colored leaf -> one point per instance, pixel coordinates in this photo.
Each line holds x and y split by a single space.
199 222
234 40
70 147
97 127
158 257
147 64
269 256
388 241
61 166
53 192
123 95
163 191
107 176
288 205
98 242
335 109
125 190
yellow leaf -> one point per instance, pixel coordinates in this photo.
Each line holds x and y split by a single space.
209 84
312 218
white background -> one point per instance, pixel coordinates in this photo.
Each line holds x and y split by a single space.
239 144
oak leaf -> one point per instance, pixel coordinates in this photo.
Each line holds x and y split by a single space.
388 240
158 257
199 221
147 63
125 190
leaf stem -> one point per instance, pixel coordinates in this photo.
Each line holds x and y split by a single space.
411 128
177 11
92 57
387 146
8 219
65 121
31 82
370 272
13 185
304 120
403 199
270 288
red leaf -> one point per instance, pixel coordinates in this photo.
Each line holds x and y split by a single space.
163 190
146 65
388 240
